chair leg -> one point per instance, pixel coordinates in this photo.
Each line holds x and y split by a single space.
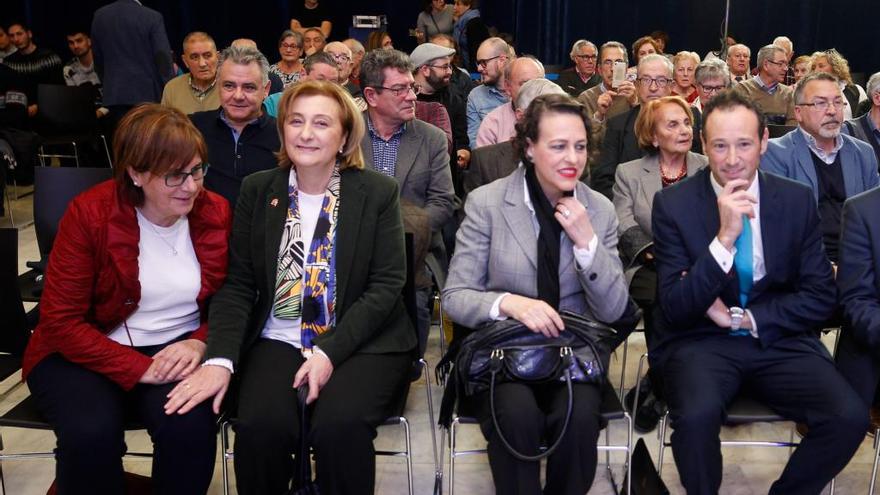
40 154
9 205
876 461
224 455
452 432
661 432
409 466
75 153
629 452
107 151
623 373
442 324
438 470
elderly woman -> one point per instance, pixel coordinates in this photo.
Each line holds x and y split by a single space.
832 62
685 65
712 76
664 130
379 39
317 267
290 68
533 244
123 316
801 67
435 18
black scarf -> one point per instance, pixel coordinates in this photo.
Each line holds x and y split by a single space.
548 240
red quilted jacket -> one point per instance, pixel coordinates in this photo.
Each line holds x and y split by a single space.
91 283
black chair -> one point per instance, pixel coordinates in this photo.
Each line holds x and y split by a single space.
54 187
16 329
776 131
66 116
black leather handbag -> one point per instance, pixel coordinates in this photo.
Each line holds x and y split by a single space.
507 351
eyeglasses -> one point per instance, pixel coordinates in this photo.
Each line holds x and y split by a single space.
176 179
289 46
441 67
610 62
712 89
485 61
401 90
778 64
340 56
586 57
824 105
661 82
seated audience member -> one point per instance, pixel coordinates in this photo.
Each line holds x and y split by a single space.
461 81
275 84
34 65
318 221
711 77
604 101
7 47
832 62
645 45
319 67
409 150
867 127
469 32
289 68
743 289
665 131
492 56
495 161
684 66
788 47
726 43
498 125
583 76
379 40
241 138
766 89
435 114
565 260
620 143
802 66
310 14
661 39
314 41
738 57
834 165
435 18
80 70
357 54
124 310
342 55
196 91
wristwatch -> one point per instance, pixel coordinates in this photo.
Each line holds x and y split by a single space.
736 317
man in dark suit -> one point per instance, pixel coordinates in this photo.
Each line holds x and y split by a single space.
743 287
132 55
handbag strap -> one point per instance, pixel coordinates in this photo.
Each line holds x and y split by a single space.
495 364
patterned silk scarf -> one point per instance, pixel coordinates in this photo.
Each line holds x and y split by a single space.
308 290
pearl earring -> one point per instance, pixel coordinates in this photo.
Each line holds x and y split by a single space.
136 183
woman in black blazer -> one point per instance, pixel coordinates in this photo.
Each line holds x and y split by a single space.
323 309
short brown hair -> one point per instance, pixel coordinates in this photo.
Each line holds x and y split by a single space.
647 119
528 128
641 41
155 139
351 118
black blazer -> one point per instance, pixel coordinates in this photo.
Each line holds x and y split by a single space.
619 146
796 296
370 268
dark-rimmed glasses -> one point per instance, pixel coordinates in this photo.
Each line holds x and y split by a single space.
401 90
176 179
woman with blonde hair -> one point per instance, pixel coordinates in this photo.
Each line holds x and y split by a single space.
685 66
832 62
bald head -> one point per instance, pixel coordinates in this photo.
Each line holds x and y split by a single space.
244 43
520 71
342 55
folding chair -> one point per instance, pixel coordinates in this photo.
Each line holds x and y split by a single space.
66 115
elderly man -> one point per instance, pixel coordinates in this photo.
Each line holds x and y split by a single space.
867 127
400 146
583 75
766 89
196 91
492 55
498 126
313 41
241 138
342 55
620 144
738 57
357 54
835 166
605 101
319 67
785 43
743 288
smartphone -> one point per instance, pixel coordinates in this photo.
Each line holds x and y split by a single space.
618 74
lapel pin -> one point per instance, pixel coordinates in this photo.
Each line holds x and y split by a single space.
274 202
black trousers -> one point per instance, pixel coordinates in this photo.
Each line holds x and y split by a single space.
531 416
796 378
88 412
859 365
360 395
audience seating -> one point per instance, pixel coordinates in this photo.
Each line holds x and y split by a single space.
66 115
776 131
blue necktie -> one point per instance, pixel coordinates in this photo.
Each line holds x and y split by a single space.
743 262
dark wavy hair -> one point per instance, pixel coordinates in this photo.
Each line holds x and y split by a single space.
528 128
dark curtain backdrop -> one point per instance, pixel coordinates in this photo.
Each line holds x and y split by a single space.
544 28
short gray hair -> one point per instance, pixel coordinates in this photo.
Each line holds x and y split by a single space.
873 85
319 58
767 52
614 44
354 45
288 33
656 57
375 62
713 68
246 55
533 89
801 85
580 44
738 46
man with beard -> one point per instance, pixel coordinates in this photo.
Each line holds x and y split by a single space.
834 165
492 56
80 70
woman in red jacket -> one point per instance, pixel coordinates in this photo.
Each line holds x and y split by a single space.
123 316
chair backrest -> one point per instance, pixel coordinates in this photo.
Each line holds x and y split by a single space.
66 108
14 335
776 131
54 187
409 288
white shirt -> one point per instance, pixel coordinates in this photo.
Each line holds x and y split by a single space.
725 257
170 285
583 257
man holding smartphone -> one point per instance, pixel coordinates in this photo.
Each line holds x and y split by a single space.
610 97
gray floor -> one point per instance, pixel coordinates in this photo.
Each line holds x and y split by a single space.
746 470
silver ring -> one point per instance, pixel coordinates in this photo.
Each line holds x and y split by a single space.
566 212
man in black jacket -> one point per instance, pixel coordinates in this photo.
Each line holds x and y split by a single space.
241 138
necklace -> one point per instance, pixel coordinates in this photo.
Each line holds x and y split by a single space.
667 180
161 237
